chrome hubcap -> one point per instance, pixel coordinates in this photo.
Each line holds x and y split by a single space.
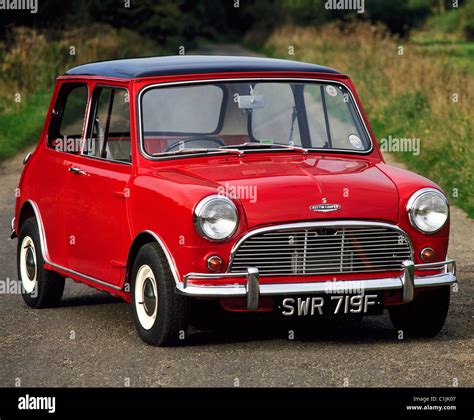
149 297
30 263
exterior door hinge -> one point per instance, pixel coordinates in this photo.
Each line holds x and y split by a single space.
119 264
121 194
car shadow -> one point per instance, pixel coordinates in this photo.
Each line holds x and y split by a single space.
214 326
242 328
235 328
89 300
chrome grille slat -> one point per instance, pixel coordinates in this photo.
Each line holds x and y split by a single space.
336 247
323 250
321 270
294 232
282 253
277 273
369 260
323 255
318 239
250 254
323 263
265 238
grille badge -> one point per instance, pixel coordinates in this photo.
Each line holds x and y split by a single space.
325 208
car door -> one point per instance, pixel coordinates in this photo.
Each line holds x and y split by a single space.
98 179
63 139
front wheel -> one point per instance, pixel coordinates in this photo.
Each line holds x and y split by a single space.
425 315
159 313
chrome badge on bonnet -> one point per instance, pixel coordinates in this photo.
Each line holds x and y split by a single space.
325 207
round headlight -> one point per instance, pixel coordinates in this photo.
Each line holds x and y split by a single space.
428 210
216 218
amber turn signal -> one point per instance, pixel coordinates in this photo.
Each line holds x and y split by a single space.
427 254
214 263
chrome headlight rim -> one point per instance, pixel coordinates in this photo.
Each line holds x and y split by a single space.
198 214
411 205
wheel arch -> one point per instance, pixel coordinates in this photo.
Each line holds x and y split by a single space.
140 240
26 212
30 209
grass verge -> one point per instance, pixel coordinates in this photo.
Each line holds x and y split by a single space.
22 127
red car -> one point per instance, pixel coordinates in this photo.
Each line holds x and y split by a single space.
251 181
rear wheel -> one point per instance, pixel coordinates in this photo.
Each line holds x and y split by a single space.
40 288
425 315
159 313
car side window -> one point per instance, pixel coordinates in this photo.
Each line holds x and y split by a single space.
109 127
67 121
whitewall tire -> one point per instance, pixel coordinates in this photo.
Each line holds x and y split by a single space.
159 313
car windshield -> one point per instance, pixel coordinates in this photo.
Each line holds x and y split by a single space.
250 115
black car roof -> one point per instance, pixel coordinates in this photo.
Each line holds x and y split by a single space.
189 64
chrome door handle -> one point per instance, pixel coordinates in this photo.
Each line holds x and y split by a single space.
76 171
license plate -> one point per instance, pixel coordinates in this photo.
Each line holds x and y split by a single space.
331 305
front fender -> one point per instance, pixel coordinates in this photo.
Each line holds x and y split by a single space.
163 205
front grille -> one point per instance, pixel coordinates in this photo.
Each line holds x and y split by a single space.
323 250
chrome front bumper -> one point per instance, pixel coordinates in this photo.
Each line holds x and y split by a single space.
252 289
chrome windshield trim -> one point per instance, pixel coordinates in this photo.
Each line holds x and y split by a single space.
304 225
234 79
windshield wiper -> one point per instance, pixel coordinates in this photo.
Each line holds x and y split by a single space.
294 114
232 149
199 150
268 146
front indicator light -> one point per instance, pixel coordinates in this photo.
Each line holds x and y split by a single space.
427 255
214 263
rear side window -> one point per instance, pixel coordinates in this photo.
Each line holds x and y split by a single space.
109 132
67 121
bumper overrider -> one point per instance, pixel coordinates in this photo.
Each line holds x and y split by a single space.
252 289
